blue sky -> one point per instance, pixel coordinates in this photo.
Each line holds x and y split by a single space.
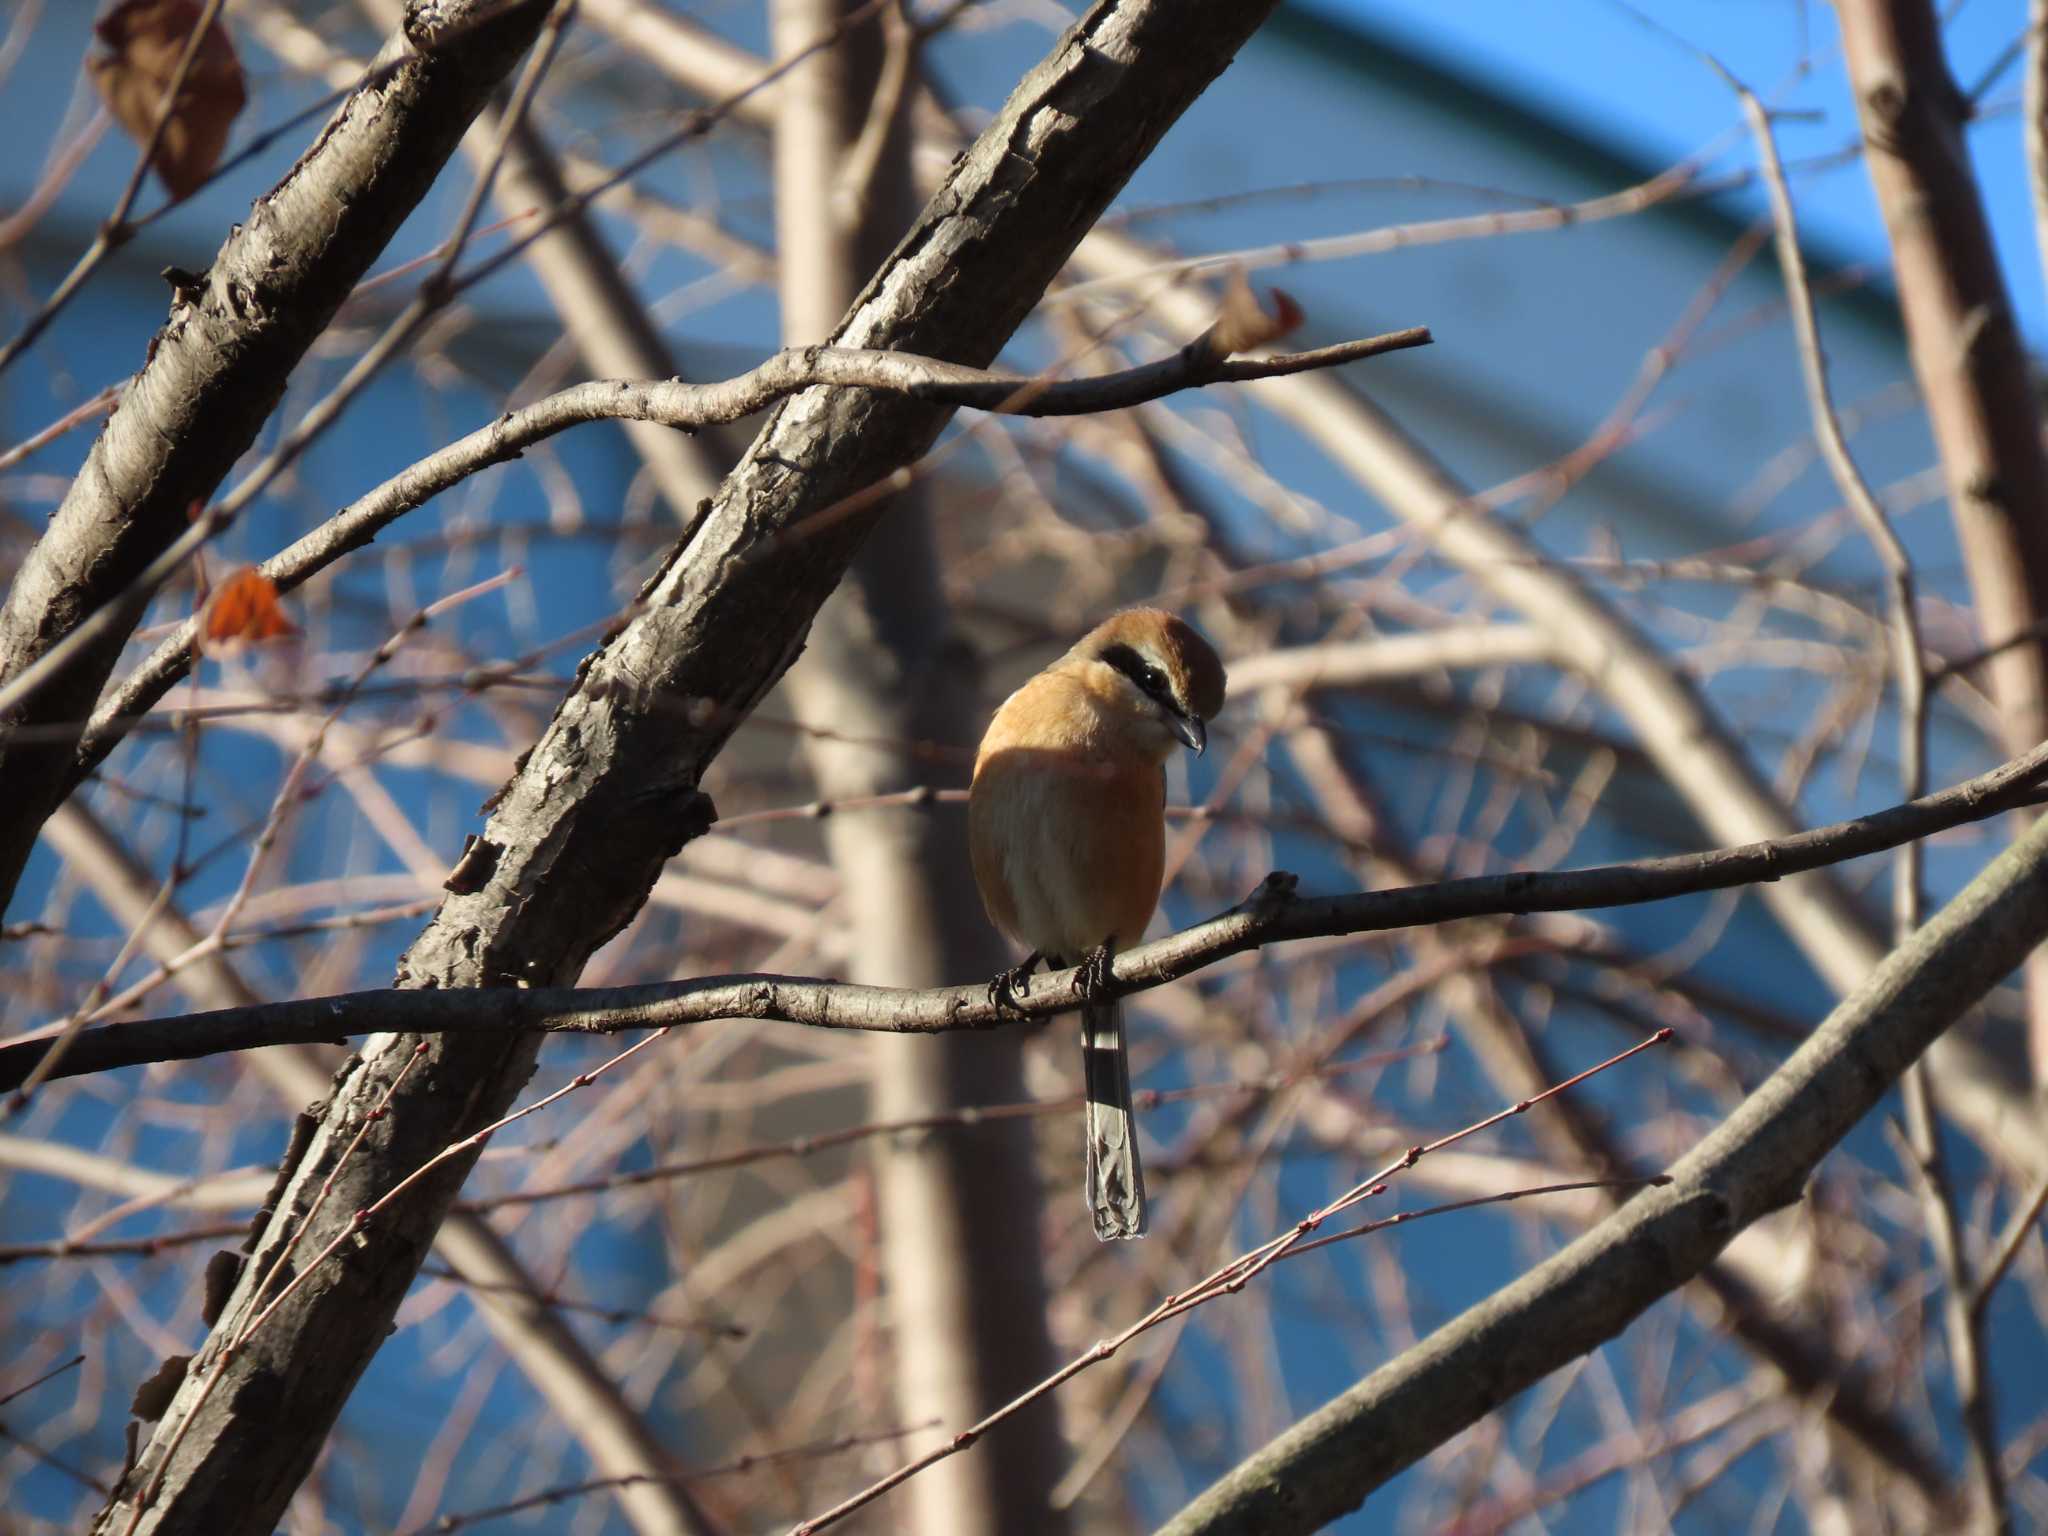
1598 67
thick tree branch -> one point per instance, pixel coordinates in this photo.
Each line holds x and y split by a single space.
578 837
1967 356
1965 344
1754 1163
959 1250
212 376
1273 914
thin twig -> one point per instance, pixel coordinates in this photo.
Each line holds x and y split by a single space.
2007 1248
1227 1280
669 402
1909 665
738 1465
1271 915
50 1375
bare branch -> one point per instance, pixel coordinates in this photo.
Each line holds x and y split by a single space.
674 403
1754 1163
1966 351
213 375
579 836
1271 915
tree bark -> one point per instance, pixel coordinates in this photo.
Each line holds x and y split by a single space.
578 836
963 1283
212 376
1967 357
1756 1161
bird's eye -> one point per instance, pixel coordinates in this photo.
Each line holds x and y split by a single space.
1147 676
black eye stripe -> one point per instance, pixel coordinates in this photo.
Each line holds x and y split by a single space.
1149 678
1126 661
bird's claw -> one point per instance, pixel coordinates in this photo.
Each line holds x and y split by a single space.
1008 986
1094 971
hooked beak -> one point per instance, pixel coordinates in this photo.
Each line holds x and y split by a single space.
1190 729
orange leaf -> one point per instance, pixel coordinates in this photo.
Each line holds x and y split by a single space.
243 608
147 38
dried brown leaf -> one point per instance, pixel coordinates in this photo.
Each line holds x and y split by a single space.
1244 324
146 39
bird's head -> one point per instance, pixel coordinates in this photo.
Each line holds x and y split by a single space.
1156 673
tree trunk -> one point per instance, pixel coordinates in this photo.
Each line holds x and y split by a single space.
611 791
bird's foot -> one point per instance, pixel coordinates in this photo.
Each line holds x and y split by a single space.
1095 974
1008 986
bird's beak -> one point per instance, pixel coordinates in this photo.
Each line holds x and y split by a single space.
1190 729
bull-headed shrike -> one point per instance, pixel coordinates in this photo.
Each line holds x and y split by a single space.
1067 824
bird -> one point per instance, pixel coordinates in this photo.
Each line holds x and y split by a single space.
1067 832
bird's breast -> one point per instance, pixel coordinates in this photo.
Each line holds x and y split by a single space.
1068 835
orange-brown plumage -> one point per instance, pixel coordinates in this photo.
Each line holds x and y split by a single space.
1066 823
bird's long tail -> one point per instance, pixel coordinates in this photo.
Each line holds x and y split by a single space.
1116 1182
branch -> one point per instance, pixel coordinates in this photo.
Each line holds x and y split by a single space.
1273 914
1754 1163
211 377
673 403
1966 348
1675 724
1909 661
576 840
1386 657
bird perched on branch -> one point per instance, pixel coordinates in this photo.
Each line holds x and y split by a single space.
1066 821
